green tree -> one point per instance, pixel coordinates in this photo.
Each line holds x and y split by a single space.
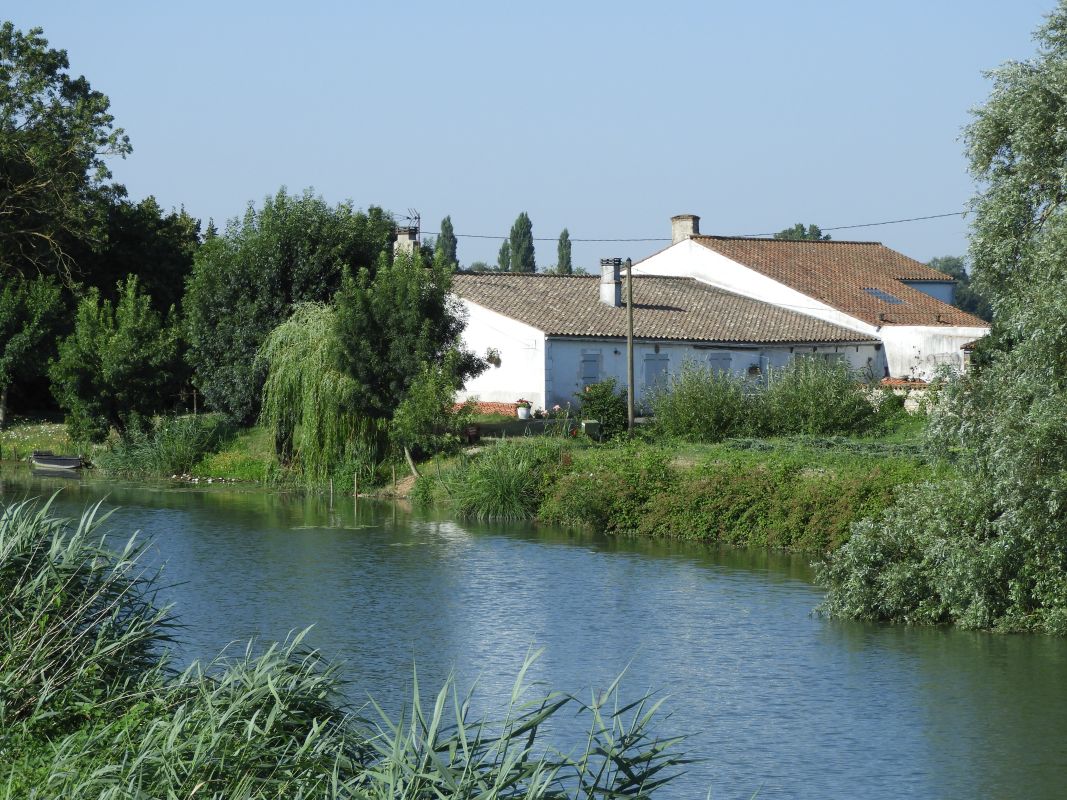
563 251
392 322
446 244
521 245
55 132
28 307
968 297
989 548
811 233
247 281
119 361
140 239
503 257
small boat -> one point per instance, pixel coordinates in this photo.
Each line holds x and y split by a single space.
46 459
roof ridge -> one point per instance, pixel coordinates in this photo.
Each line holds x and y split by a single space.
555 275
786 241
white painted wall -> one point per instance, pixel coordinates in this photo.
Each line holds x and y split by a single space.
918 350
910 351
522 358
565 357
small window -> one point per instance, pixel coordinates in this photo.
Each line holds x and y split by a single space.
589 370
656 367
885 297
720 362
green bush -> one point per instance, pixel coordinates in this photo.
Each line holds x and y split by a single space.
606 403
165 445
813 396
702 404
781 501
607 488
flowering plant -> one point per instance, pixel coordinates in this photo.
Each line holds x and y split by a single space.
520 403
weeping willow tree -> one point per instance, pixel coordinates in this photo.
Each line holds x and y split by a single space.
310 404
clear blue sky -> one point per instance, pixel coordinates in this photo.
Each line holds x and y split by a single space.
604 117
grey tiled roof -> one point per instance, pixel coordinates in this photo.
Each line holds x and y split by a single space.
664 308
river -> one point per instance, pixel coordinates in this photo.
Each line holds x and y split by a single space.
773 697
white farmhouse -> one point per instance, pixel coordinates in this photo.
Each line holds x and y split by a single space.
863 286
555 334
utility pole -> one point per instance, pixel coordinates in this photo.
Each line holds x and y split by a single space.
629 346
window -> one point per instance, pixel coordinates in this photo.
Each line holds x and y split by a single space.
720 362
656 366
885 297
589 369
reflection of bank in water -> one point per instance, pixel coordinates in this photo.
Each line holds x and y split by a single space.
54 472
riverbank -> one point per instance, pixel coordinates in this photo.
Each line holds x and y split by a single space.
793 493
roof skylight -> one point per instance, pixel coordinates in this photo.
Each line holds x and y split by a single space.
885 297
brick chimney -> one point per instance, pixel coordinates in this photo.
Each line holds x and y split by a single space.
684 226
611 281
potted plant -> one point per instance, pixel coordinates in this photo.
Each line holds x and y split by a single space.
522 408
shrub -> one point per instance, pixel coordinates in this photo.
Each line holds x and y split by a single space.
702 404
780 501
604 402
813 396
608 488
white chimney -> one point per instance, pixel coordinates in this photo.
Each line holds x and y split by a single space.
611 282
407 240
683 227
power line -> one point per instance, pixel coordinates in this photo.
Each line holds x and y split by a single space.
740 235
875 224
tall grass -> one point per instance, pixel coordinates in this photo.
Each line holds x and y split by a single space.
166 445
78 626
439 750
506 480
89 708
256 726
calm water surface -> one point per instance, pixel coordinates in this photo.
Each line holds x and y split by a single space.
773 698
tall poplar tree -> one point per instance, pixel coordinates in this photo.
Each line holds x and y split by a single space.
503 258
522 245
563 254
445 247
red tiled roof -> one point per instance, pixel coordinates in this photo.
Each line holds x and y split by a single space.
664 308
837 273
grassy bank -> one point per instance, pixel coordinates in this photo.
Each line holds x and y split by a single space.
23 435
91 708
795 492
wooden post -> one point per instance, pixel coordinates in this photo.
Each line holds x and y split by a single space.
355 484
394 477
629 345
331 492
